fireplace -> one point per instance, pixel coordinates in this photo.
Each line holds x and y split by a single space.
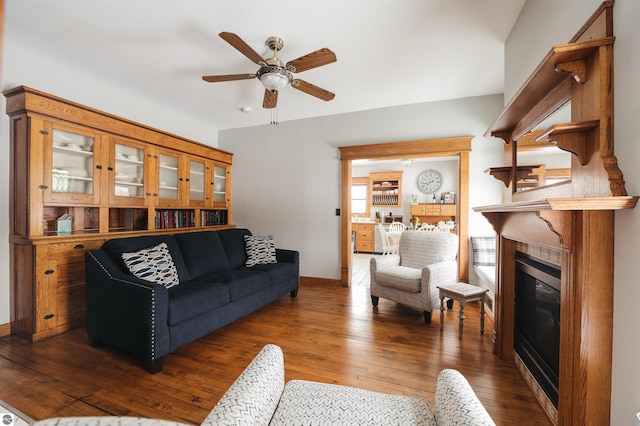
537 320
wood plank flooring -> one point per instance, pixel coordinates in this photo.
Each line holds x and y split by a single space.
328 334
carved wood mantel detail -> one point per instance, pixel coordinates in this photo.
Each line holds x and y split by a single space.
574 220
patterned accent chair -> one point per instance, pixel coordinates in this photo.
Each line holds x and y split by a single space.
259 396
424 261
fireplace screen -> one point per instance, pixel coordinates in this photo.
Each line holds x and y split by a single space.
537 331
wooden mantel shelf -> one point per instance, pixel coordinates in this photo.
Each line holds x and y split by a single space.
597 203
561 62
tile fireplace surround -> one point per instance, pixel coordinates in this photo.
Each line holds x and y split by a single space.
570 224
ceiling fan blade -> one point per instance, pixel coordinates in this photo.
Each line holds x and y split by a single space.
315 59
229 77
270 99
313 90
242 47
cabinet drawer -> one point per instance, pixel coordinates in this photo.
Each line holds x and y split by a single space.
74 249
417 210
448 209
432 209
365 236
366 246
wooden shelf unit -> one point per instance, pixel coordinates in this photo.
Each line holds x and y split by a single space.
114 178
386 189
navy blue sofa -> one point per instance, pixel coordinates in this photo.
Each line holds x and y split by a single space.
215 289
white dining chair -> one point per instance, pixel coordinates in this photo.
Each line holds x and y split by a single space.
387 245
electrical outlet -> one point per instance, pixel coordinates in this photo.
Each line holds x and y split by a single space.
337 212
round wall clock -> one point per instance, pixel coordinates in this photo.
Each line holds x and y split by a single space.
430 181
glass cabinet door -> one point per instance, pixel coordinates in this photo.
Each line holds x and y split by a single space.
71 166
128 159
220 185
196 182
168 179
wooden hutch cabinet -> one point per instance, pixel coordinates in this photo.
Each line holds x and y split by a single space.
109 177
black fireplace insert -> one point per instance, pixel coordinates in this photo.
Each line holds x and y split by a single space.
537 318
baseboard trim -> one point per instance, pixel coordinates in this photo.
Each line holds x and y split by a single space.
321 281
5 329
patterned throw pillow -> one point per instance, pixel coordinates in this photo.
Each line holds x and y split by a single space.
484 251
260 250
153 264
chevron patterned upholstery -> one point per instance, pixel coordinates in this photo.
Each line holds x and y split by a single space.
254 396
312 403
456 403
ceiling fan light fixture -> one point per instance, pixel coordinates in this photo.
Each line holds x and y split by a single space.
274 81
274 78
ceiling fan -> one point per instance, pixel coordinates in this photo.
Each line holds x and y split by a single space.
273 73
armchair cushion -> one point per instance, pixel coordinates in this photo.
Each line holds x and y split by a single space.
400 277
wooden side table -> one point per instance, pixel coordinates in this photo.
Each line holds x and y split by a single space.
463 293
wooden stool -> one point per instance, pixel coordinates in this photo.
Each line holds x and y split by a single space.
463 293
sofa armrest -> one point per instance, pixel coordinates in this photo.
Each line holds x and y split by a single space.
290 256
253 397
456 402
125 310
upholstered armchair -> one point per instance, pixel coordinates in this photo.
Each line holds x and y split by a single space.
424 261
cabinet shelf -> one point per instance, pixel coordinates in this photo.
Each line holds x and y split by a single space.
570 137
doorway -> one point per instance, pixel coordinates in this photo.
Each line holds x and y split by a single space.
457 146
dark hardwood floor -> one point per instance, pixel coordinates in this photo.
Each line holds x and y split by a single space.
328 334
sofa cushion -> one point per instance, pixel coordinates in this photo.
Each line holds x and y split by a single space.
261 250
313 403
153 264
242 282
193 298
117 246
400 277
278 272
234 245
203 253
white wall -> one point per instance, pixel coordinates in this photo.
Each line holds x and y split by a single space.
543 23
287 178
21 68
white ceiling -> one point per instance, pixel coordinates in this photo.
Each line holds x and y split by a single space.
390 52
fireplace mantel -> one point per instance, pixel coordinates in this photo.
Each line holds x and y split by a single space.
571 223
